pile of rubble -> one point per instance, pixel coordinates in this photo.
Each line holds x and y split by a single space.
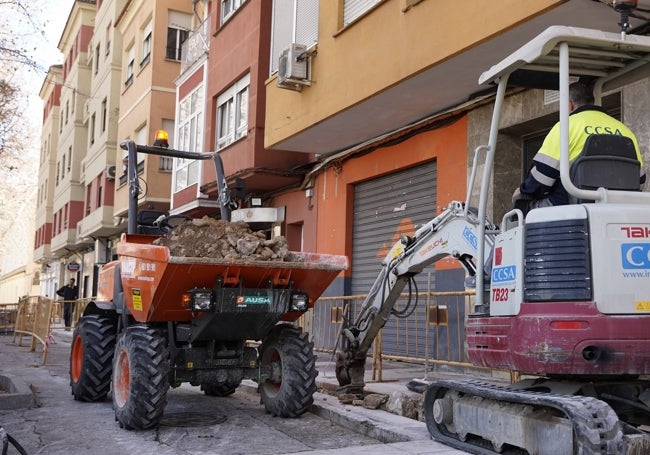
210 238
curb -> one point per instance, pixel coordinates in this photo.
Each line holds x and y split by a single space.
377 424
380 425
18 395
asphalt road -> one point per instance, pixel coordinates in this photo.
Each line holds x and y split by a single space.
193 423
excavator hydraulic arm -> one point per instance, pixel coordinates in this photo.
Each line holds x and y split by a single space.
453 233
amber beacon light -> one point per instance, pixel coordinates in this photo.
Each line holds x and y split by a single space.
162 139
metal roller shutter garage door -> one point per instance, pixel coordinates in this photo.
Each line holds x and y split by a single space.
384 209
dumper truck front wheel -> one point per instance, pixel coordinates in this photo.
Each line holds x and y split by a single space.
91 358
140 369
288 391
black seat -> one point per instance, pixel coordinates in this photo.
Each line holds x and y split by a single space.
607 161
145 221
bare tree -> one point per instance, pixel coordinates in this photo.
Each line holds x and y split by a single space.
20 35
18 28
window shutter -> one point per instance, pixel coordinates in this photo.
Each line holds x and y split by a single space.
294 21
282 29
179 20
353 9
306 30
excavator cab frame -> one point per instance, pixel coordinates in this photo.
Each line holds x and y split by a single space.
551 61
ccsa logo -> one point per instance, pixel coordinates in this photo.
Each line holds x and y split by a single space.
503 274
635 255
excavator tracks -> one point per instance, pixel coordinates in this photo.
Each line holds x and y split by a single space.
484 418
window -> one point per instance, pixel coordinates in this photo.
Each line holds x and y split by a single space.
294 21
108 39
190 127
228 8
146 44
166 163
130 59
63 167
140 139
88 200
178 28
175 39
103 117
91 140
99 196
96 62
232 113
354 9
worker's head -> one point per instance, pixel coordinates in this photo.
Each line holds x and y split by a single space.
72 281
580 94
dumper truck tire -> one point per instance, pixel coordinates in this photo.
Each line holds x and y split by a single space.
219 389
289 392
91 358
140 382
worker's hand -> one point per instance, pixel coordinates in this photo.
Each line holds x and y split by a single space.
515 195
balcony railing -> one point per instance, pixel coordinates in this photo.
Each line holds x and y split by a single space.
196 45
166 164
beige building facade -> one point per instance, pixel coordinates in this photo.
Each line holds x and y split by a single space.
101 111
50 266
152 36
68 197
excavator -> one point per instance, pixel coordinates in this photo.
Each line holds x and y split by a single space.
562 292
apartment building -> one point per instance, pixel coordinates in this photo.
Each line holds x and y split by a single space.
50 93
187 193
386 93
221 106
67 182
121 58
98 168
152 32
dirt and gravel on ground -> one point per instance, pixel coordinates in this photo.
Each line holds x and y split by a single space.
209 238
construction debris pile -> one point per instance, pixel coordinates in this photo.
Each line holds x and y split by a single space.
218 239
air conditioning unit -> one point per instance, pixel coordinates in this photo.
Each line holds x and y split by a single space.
110 172
293 67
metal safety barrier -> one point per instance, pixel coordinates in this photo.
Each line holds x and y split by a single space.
432 335
33 318
36 316
8 312
77 310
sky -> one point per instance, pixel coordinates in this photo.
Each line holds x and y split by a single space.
55 14
16 238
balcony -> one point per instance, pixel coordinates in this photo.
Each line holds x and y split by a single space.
42 253
98 223
64 242
195 46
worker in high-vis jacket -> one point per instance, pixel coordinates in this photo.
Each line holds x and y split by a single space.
542 186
